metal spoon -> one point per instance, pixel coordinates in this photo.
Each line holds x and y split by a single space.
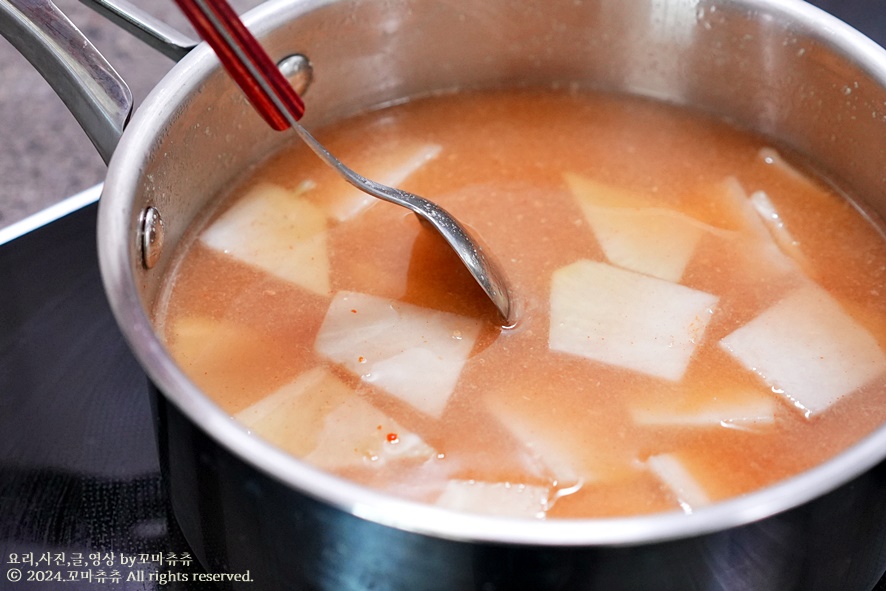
275 99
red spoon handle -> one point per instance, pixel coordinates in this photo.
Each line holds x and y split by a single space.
245 60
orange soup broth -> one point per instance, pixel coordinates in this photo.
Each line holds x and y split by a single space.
501 171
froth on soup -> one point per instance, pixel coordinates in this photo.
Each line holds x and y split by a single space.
700 316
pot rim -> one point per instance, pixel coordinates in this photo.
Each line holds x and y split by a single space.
115 258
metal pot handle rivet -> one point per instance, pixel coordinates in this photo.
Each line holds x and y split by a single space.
298 70
150 236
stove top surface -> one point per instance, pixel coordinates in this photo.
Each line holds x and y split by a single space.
81 496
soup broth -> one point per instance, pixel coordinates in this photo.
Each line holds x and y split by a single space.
699 316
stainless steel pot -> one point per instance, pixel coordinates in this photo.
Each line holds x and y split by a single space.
780 67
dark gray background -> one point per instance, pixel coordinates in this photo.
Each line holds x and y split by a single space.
44 155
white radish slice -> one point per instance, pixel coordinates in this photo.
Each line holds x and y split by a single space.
495 498
627 319
809 349
635 235
198 341
220 356
780 234
389 167
588 191
743 410
748 219
550 450
358 433
557 445
277 231
674 474
769 245
771 157
321 419
655 242
415 354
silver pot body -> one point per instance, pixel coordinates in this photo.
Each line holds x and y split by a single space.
782 68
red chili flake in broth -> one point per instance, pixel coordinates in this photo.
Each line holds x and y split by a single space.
392 438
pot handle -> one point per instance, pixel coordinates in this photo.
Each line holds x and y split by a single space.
141 25
94 93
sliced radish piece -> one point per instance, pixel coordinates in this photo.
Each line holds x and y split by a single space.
743 410
415 354
277 231
807 348
550 450
596 194
674 474
320 418
627 319
495 498
221 355
633 233
358 433
656 242
775 224
771 157
768 245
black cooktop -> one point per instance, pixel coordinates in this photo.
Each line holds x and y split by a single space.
82 501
